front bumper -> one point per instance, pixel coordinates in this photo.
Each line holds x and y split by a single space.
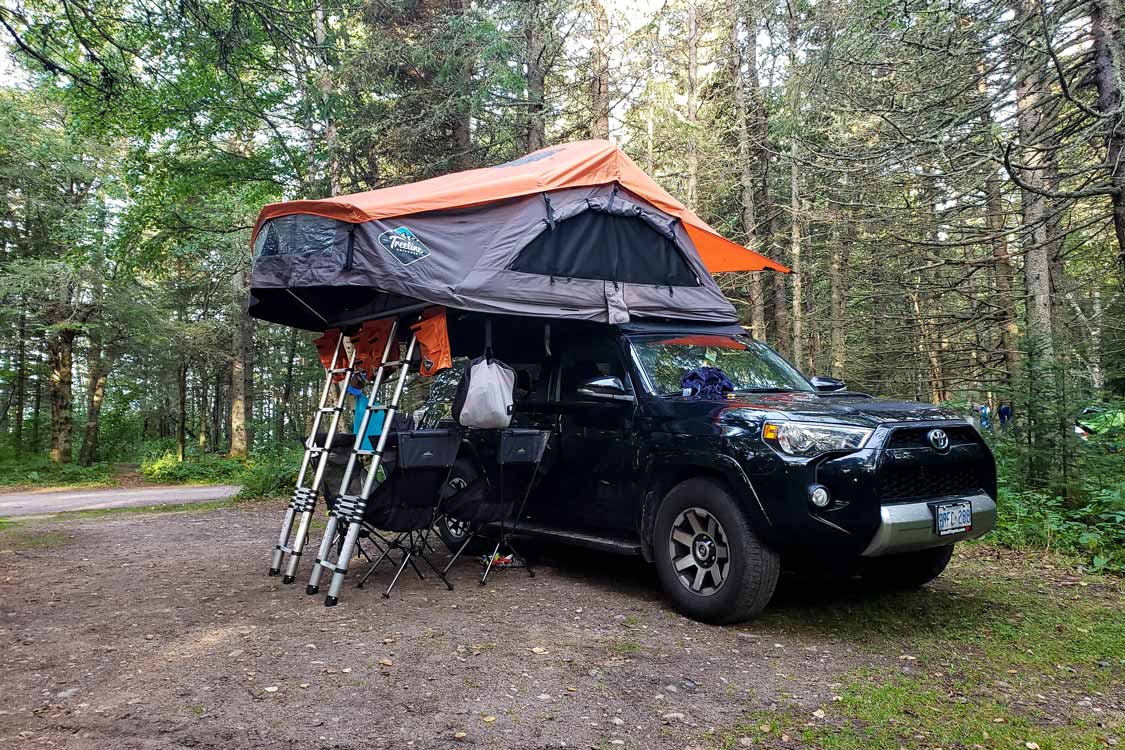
908 527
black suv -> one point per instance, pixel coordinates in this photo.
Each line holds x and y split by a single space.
722 493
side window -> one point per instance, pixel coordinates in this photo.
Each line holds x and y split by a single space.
583 361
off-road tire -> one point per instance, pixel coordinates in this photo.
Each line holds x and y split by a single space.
464 472
910 570
753 569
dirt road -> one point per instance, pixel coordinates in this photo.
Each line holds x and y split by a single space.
163 631
42 502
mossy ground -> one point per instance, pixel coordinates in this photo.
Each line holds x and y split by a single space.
1006 650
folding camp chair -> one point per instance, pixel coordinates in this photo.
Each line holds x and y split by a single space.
406 502
481 508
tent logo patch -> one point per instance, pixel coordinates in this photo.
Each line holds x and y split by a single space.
402 244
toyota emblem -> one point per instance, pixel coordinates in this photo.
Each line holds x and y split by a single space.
939 440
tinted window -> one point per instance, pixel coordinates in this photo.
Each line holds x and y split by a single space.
581 362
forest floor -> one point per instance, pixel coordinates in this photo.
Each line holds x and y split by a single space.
144 630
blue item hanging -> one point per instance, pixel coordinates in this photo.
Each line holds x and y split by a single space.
706 383
374 425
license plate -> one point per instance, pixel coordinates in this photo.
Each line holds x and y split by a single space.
953 518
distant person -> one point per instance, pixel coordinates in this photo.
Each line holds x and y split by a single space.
985 417
1004 413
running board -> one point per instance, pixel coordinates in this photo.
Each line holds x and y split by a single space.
603 543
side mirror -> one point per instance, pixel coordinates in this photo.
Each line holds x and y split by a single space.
609 388
828 385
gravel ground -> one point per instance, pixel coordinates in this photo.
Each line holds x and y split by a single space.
163 631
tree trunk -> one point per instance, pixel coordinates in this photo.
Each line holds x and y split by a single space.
19 397
795 191
998 239
217 412
691 191
202 420
98 374
746 166
1109 67
239 364
324 89
36 410
536 75
181 411
60 354
286 388
836 302
1037 256
599 81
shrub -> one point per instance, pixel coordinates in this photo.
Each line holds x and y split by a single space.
270 474
208 469
37 470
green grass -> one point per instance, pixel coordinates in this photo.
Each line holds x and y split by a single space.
963 663
625 648
15 538
37 471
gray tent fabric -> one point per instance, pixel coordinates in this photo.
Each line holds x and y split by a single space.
315 273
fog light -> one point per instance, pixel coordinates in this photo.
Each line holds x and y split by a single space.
819 497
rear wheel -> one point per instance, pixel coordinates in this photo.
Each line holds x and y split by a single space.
453 532
710 562
907 571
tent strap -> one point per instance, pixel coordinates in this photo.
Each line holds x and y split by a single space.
307 306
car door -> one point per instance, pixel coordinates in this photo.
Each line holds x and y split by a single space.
596 442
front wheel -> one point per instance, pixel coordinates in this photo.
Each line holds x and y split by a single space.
906 571
710 562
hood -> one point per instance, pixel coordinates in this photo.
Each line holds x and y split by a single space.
842 408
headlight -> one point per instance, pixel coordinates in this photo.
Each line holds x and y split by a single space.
811 439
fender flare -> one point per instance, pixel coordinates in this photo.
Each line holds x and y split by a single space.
669 469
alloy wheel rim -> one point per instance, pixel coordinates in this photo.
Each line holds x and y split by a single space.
700 553
456 528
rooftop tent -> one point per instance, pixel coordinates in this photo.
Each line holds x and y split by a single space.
573 231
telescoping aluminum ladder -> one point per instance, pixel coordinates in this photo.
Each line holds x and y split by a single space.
349 509
303 503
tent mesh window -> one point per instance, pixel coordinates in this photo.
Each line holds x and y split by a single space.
296 235
598 245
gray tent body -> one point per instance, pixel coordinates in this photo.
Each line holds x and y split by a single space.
588 253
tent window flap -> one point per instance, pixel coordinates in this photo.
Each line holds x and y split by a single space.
598 245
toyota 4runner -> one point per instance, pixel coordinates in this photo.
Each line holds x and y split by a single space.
721 494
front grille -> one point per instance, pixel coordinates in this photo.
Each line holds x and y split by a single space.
918 437
935 480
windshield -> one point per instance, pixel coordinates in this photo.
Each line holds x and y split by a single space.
750 365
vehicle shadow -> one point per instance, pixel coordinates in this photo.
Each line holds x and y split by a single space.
821 608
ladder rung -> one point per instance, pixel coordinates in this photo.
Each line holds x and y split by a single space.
328 409
337 370
393 363
365 452
376 407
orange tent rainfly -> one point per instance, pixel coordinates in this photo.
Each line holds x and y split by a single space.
574 231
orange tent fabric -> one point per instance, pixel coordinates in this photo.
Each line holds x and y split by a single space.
578 164
433 338
370 342
326 347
